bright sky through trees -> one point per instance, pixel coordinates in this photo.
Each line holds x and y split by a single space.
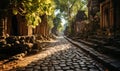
69 8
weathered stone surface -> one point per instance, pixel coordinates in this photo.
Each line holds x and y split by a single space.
2 42
57 67
11 40
62 56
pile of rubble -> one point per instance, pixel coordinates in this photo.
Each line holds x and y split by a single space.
16 47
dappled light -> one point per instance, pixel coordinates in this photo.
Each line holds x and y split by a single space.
57 57
46 52
34 34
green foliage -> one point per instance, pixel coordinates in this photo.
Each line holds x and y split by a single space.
31 9
50 21
69 9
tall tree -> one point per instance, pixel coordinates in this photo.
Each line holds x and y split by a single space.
69 9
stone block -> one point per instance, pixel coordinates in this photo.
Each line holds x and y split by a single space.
11 39
29 46
2 42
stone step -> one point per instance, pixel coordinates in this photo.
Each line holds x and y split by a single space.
112 64
112 50
87 43
97 41
107 49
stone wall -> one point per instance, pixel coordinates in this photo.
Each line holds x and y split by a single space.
93 8
109 20
14 25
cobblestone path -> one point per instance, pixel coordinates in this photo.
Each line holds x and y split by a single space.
63 56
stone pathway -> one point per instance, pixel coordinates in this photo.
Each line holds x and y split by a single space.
62 56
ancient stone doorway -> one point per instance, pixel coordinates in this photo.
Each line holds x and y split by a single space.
14 26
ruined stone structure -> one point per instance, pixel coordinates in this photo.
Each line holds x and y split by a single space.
10 24
42 28
79 25
93 8
109 15
15 25
110 12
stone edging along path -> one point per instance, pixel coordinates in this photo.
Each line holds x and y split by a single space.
111 64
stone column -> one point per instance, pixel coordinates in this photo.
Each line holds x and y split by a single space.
2 27
101 17
29 31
